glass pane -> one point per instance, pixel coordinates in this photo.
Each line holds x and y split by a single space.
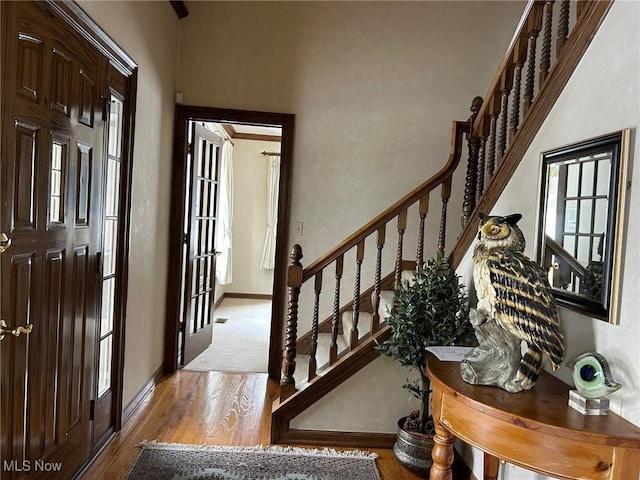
108 296
192 316
110 246
597 249
569 244
207 160
203 274
115 127
205 198
552 200
573 172
586 207
600 216
604 174
196 207
211 233
104 373
570 215
203 153
194 278
56 180
583 250
112 187
199 312
56 204
588 180
202 246
205 310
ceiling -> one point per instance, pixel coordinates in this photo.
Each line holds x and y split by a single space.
253 132
256 129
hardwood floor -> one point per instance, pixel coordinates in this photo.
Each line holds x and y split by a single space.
207 408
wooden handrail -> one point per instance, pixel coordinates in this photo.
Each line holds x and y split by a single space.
297 276
497 141
459 129
569 259
571 49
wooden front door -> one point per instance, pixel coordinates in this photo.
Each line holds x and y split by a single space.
200 268
52 159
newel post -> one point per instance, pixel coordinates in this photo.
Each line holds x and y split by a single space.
294 281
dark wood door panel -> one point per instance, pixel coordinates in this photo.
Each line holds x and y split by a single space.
52 163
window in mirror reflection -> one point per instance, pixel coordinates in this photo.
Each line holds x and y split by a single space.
577 204
581 204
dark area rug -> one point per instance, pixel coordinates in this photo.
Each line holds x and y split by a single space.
192 462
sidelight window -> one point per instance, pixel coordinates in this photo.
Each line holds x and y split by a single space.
110 242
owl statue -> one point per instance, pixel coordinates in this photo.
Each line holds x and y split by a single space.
514 291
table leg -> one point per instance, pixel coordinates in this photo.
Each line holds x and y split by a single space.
442 454
491 467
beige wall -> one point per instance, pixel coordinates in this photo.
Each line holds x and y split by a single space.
148 32
602 96
374 87
249 217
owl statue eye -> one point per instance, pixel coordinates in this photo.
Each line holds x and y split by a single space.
592 376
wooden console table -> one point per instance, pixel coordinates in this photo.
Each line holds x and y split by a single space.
535 429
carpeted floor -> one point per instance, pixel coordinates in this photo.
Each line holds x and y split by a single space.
161 461
241 343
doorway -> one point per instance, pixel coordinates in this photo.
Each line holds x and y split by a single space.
176 325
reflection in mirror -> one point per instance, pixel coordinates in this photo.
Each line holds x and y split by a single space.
580 222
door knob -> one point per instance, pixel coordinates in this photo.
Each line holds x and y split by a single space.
4 330
5 242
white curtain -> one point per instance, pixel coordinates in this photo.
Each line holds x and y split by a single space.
273 179
225 215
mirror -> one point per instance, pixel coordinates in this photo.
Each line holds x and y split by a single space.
580 222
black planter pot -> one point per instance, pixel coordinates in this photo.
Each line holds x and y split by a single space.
413 450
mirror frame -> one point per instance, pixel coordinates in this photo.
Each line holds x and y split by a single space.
618 143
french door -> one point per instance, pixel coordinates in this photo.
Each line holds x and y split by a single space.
52 165
200 252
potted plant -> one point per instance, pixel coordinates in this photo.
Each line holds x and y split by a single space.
430 309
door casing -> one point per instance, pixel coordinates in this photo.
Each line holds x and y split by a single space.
183 114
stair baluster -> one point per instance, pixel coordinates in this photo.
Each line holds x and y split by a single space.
506 83
335 318
545 55
530 103
519 58
563 26
313 364
535 24
423 209
482 154
442 234
491 153
354 336
402 226
375 295
471 179
294 281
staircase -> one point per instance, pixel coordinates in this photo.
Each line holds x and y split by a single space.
543 54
